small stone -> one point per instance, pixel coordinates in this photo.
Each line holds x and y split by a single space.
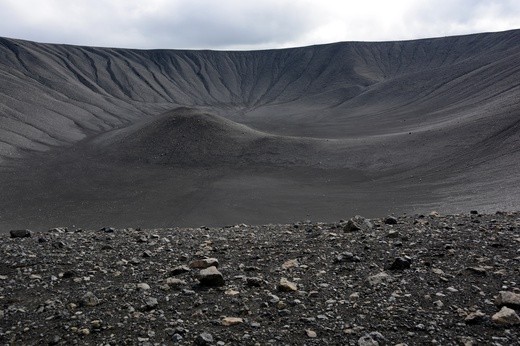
475 317
509 299
204 263
143 286
287 286
204 339
89 299
174 282
254 281
354 296
150 303
378 279
177 338
231 321
290 264
211 277
506 316
311 333
180 270
390 220
371 339
401 263
20 233
147 254
232 293
84 331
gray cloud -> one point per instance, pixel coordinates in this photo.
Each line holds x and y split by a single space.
241 24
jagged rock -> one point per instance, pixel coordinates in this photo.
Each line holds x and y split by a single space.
20 233
211 277
371 339
390 220
506 316
401 263
204 263
287 286
357 223
509 299
475 317
204 339
150 303
180 270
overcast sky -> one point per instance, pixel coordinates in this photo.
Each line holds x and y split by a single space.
247 24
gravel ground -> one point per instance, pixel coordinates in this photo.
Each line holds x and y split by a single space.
408 280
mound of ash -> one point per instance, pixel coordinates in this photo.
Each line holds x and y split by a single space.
187 137
409 280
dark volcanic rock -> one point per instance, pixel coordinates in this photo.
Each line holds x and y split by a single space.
211 277
20 233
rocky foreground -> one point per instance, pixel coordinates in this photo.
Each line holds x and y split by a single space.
410 280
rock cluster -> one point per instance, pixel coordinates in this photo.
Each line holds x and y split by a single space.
408 280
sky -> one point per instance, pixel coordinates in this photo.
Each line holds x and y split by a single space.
247 24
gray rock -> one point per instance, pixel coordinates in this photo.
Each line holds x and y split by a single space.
89 299
254 281
204 339
476 317
20 233
371 339
357 223
180 270
509 299
390 220
211 277
401 263
506 316
150 303
204 263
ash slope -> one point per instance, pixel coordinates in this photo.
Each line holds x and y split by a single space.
286 134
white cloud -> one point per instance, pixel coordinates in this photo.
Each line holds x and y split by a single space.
244 24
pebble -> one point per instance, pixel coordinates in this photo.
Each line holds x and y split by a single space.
89 299
311 333
231 321
143 286
287 286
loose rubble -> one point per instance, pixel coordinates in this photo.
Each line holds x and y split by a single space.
400 280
